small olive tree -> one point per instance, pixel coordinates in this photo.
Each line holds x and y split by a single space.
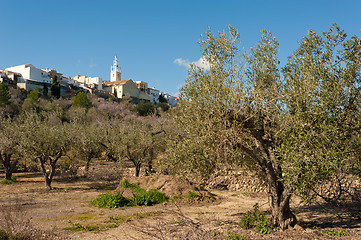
9 145
138 140
45 141
88 141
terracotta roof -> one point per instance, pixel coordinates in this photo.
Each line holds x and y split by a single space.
121 82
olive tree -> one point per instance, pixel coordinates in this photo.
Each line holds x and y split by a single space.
9 145
134 139
88 141
241 110
46 141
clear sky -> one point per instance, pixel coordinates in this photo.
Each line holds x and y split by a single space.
82 37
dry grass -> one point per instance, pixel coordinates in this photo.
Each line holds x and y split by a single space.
15 223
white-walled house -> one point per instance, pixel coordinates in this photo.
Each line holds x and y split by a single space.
90 81
29 72
9 77
33 77
154 95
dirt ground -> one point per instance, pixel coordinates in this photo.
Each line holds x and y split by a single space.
66 213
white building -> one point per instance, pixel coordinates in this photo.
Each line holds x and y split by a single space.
154 95
29 72
93 82
10 77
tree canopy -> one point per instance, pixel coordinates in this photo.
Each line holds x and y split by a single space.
295 127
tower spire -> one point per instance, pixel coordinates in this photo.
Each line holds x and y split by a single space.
115 70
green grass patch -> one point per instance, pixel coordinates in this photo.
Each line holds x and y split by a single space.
86 216
90 228
191 195
7 181
235 236
335 233
121 219
85 228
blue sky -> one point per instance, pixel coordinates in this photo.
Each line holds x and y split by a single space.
82 37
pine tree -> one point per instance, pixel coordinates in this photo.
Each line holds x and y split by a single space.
55 87
4 95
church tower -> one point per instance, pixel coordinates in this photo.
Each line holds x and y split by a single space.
115 71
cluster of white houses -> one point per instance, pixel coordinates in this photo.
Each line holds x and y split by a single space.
29 77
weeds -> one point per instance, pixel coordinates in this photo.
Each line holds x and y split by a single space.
80 227
235 236
335 233
191 195
7 181
134 187
90 228
134 216
257 220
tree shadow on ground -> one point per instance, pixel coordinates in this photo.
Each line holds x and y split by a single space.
330 215
103 186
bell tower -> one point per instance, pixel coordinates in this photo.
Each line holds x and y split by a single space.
115 71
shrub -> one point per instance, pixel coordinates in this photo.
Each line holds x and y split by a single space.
4 95
149 198
257 220
144 108
163 106
140 197
81 100
111 201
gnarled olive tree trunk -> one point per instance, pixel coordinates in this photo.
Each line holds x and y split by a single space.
280 196
48 174
9 165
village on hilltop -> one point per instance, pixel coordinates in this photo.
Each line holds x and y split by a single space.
29 77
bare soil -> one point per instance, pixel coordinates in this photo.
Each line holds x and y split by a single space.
66 213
